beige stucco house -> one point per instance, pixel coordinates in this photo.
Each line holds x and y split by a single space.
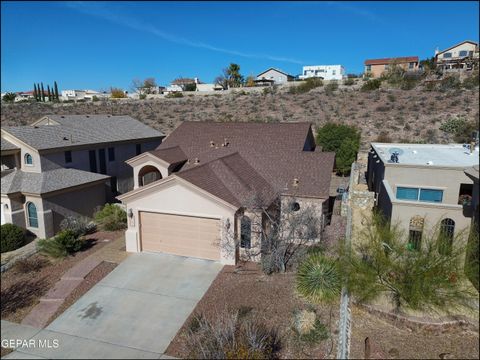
376 67
196 194
421 186
461 56
67 165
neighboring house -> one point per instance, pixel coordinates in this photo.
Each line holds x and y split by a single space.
173 88
462 56
419 186
195 195
472 173
73 95
275 75
67 165
184 82
326 72
376 67
208 87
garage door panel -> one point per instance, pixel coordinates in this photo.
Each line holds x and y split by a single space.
180 235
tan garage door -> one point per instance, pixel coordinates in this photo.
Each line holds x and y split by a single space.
180 235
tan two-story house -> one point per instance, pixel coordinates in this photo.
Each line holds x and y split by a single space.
376 67
67 165
461 56
423 187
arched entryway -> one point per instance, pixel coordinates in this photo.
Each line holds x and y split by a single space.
148 174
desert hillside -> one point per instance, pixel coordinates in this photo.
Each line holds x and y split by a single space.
397 115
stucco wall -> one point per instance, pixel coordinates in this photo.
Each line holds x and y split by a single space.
117 168
174 197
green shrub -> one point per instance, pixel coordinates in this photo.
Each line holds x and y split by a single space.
111 217
372 84
95 98
142 96
9 97
306 86
12 237
453 125
349 82
63 244
408 84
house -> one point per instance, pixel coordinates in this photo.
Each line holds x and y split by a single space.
421 185
325 72
275 75
462 56
376 67
73 95
201 187
67 165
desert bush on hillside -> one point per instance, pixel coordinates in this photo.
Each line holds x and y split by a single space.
30 264
230 336
111 217
174 95
471 82
451 82
348 82
12 237
117 93
9 97
408 83
331 87
306 86
308 328
372 84
383 137
63 244
453 125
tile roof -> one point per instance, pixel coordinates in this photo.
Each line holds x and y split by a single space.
74 130
5 145
404 59
259 157
40 183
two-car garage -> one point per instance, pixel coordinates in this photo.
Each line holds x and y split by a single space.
180 235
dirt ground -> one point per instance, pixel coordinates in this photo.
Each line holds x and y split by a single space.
402 115
272 300
21 290
392 342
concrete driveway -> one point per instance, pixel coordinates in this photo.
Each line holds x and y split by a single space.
134 312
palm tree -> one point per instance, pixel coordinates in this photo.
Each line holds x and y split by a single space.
318 279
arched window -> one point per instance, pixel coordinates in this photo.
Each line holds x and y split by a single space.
245 232
28 159
415 232
32 215
445 237
148 174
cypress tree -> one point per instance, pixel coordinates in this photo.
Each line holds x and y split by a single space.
49 94
43 92
35 91
56 89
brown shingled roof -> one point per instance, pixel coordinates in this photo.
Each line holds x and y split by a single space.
400 60
259 158
172 155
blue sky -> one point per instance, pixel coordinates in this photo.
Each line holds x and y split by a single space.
97 45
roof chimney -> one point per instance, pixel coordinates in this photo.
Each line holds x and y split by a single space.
212 143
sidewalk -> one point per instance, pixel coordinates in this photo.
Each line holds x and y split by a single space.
55 297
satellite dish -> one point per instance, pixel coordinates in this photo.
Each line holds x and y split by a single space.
398 151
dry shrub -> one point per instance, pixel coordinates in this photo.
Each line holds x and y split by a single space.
229 336
30 264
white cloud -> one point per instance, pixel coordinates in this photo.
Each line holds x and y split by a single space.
98 10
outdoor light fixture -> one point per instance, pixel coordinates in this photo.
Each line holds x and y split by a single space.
130 213
227 223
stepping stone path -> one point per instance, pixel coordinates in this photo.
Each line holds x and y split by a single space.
54 298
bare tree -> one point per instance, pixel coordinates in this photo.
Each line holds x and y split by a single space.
277 235
146 86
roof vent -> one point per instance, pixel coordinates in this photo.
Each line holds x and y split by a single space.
62 116
65 138
430 162
295 182
87 116
212 143
35 127
196 161
225 142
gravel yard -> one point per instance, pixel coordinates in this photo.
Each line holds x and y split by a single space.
270 299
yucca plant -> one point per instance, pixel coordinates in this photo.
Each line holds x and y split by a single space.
318 279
